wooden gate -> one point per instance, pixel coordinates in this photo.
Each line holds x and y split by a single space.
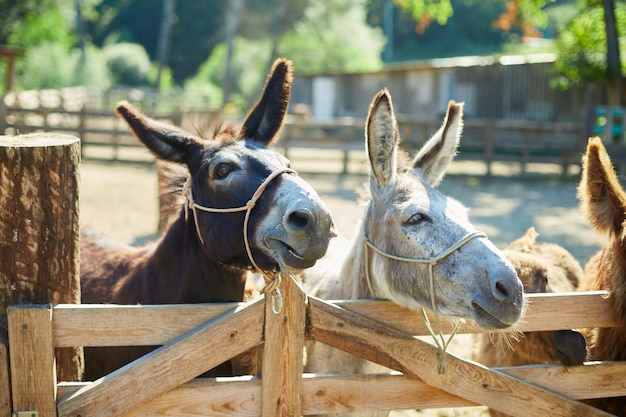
196 338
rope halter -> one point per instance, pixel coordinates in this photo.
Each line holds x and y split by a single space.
272 279
438 337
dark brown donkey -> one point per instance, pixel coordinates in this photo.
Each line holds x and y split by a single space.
246 210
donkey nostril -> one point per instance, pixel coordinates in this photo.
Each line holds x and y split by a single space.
502 290
299 219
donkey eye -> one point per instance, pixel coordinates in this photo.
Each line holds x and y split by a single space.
417 218
222 170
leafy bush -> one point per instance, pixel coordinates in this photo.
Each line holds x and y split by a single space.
51 65
128 63
582 48
90 68
48 65
248 74
334 39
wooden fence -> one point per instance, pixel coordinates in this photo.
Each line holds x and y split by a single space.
199 337
104 135
196 338
483 140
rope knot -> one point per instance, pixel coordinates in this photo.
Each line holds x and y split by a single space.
441 366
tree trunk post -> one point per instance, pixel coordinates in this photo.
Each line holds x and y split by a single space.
39 230
613 60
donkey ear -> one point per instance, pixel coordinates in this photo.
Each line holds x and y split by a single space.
600 193
381 138
165 141
433 158
267 117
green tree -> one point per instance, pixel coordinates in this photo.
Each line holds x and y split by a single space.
128 63
18 17
273 18
196 28
589 48
51 65
526 14
52 25
332 37
529 15
468 32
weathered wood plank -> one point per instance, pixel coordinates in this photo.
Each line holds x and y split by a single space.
171 365
545 312
111 325
5 382
241 396
369 339
33 376
125 325
283 352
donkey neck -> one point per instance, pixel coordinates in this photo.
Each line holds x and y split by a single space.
179 264
354 269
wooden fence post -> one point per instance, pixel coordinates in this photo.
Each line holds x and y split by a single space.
39 230
283 363
5 383
33 379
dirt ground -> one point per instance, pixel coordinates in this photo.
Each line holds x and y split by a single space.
121 200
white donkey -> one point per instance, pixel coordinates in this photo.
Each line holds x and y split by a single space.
407 225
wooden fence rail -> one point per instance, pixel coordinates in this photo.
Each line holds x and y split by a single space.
198 337
483 140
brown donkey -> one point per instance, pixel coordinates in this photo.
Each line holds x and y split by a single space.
245 210
603 200
543 268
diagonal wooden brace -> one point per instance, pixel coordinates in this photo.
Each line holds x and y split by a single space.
372 340
169 366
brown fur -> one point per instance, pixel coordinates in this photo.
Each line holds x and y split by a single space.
603 200
543 268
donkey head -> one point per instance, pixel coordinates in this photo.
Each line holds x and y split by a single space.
411 225
539 276
247 208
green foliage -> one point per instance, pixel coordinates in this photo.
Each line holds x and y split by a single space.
16 15
533 12
50 65
128 63
272 17
438 10
196 30
523 12
53 25
334 39
167 80
90 68
582 47
468 32
248 75
318 43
